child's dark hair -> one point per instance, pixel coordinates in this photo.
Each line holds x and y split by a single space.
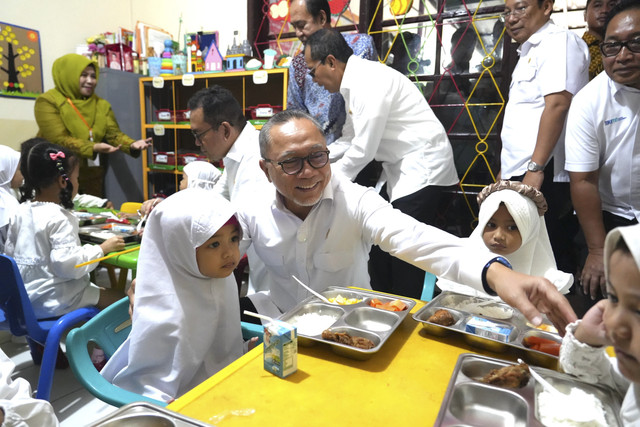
41 164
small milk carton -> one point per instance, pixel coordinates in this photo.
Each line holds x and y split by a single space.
280 348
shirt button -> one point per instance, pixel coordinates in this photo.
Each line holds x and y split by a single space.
302 236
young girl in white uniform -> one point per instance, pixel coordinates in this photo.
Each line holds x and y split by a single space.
614 321
43 237
511 224
10 177
186 321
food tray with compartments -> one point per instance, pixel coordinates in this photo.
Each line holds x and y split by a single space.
98 234
146 414
470 402
87 218
358 319
511 332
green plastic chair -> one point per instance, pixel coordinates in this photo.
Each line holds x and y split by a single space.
109 329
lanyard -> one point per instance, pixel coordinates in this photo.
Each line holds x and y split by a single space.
83 119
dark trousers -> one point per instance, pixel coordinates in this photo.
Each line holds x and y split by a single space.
562 224
388 273
580 302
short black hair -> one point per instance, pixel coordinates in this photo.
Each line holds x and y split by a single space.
618 8
218 105
281 118
314 7
326 42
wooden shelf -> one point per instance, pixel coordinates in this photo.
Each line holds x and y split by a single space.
171 136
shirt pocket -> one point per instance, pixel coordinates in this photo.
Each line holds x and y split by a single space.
333 261
524 85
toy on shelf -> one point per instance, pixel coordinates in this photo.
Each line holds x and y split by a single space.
237 55
194 56
166 69
213 59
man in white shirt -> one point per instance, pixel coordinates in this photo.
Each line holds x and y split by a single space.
320 227
392 123
553 66
603 154
222 132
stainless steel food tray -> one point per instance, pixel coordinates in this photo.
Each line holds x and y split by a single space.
521 329
145 414
358 319
87 234
469 402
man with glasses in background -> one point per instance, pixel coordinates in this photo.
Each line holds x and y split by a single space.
394 125
553 66
319 226
603 142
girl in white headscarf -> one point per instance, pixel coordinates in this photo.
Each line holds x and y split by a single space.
511 223
186 322
614 321
10 177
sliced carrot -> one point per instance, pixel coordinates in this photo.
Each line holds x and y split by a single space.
399 304
530 340
550 348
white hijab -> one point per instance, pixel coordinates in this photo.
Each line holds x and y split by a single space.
186 326
201 174
9 160
535 256
631 236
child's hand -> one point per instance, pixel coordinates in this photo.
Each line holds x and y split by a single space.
591 330
112 244
252 343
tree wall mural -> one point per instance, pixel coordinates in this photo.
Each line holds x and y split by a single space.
20 62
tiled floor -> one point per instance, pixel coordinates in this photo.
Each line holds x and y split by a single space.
74 406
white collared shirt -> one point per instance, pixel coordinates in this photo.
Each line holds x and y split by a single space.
242 174
603 134
331 246
552 60
393 124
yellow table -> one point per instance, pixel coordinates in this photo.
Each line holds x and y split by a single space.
403 384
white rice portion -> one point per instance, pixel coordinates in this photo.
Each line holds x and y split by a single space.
578 408
312 323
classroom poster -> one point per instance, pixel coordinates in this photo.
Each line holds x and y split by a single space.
20 62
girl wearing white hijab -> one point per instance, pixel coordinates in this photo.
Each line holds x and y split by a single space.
199 174
612 322
186 322
10 177
517 210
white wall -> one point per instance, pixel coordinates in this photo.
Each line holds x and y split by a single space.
63 24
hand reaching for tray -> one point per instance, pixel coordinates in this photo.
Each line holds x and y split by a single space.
531 295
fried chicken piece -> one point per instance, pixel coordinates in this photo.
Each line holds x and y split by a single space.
512 376
345 338
442 317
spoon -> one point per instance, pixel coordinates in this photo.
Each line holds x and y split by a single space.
544 383
311 290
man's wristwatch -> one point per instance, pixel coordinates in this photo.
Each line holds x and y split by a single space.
534 167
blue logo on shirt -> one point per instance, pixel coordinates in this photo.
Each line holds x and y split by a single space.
611 121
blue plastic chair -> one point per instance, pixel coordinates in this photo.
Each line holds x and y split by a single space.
109 329
428 287
17 315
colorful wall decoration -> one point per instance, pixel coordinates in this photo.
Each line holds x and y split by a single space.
20 62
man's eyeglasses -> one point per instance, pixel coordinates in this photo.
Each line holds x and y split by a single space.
312 71
518 12
614 48
294 165
198 136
